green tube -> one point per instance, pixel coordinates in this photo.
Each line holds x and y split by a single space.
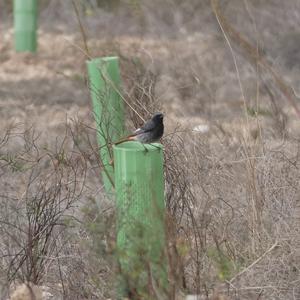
104 84
139 184
25 25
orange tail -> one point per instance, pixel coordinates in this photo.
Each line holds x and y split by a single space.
129 138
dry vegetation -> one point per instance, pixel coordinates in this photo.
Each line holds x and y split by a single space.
232 189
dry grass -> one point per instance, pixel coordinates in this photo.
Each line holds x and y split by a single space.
232 193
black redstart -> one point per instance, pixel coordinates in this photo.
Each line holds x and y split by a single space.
150 132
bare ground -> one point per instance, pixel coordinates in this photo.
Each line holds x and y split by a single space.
243 170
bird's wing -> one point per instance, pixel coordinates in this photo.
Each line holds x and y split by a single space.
137 131
148 126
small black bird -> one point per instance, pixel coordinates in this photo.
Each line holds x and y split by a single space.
150 132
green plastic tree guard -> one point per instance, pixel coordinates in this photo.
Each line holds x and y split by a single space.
139 184
25 25
104 84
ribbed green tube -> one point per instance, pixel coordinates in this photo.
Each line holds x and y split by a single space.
104 84
25 25
139 184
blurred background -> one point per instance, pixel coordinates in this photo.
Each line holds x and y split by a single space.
226 75
181 43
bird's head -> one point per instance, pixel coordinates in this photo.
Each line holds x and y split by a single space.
158 117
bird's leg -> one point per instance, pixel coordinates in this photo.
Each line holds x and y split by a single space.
158 148
146 150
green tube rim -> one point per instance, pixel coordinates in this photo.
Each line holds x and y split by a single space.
102 59
138 147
